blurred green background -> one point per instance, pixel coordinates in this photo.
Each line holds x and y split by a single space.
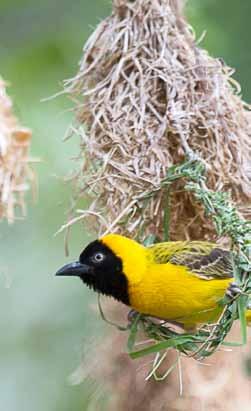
46 323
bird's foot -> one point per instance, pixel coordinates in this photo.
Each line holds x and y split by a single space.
132 316
233 291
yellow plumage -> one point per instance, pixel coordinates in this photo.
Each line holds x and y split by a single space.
178 281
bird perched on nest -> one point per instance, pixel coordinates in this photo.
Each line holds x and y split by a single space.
180 281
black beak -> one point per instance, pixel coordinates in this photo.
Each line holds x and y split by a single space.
75 268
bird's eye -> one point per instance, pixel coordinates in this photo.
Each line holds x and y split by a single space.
98 257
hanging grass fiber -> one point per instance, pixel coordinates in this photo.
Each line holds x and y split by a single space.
14 157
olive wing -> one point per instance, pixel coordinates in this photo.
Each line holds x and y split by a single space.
206 260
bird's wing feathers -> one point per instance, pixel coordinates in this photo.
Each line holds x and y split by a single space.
206 260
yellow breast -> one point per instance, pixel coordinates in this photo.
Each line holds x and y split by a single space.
170 292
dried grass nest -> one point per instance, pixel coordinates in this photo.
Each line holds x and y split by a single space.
14 156
148 96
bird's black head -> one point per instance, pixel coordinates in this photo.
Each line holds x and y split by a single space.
100 269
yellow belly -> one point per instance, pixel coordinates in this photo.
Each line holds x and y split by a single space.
172 293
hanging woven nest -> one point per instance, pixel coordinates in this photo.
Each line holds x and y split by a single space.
148 96
14 156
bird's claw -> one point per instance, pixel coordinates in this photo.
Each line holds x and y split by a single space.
233 291
132 315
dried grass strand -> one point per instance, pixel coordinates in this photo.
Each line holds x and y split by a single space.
15 170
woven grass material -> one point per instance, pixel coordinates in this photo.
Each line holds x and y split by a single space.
147 97
14 169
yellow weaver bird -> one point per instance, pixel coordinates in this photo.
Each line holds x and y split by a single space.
180 281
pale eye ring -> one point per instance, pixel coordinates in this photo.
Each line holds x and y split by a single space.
99 257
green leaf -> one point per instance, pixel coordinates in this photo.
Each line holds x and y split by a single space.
232 344
133 333
149 240
163 345
242 306
166 221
